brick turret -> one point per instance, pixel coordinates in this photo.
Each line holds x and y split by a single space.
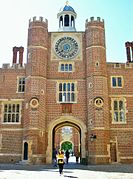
35 95
95 46
37 47
97 91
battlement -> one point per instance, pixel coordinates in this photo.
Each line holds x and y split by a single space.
92 19
120 66
40 20
14 66
96 22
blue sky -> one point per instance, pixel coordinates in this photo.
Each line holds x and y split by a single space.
15 15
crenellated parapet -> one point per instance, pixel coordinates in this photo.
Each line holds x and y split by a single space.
38 22
13 66
95 32
94 22
38 32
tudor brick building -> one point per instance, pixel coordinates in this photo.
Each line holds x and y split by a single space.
66 81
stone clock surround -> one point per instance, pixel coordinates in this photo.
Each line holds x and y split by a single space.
56 36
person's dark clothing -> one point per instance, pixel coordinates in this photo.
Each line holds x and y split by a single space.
61 165
60 162
67 154
55 157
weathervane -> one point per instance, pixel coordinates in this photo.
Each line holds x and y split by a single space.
67 3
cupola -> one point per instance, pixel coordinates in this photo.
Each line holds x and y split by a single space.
67 16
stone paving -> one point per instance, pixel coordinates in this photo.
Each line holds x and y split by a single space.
71 170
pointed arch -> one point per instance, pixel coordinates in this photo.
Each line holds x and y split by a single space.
67 119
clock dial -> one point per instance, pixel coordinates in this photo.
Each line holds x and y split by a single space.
66 48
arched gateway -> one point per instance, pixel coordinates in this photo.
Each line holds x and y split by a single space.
63 121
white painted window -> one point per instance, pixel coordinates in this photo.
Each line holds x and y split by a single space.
21 85
117 81
118 110
66 67
67 92
11 112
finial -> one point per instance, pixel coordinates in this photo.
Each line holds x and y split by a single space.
67 3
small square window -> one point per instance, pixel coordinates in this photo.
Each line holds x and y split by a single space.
117 82
65 67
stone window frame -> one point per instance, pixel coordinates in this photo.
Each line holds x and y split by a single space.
118 111
60 69
117 65
117 81
128 65
20 84
68 93
11 111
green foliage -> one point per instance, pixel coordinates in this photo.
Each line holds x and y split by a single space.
66 146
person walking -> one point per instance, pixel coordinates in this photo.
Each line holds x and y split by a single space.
67 154
60 161
55 157
77 155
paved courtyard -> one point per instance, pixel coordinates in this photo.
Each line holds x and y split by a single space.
71 170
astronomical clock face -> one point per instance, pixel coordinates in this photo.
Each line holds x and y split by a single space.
66 48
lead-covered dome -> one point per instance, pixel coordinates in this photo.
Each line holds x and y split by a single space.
68 8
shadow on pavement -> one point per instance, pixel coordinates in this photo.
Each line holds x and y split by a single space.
122 168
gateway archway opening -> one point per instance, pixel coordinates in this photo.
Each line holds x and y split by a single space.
67 136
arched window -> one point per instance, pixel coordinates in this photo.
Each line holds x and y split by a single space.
62 67
68 86
70 67
64 87
66 67
60 87
68 97
72 87
72 21
66 21
60 97
61 22
73 97
64 97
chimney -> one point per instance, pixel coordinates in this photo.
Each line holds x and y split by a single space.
128 45
21 50
15 50
132 50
